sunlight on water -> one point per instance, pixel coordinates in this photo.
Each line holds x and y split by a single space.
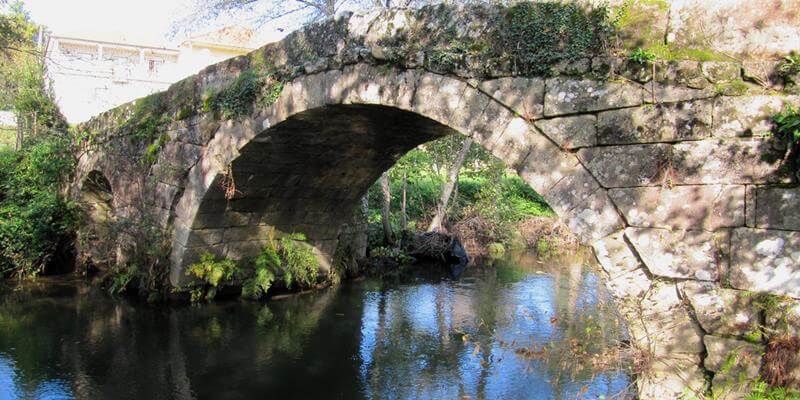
518 329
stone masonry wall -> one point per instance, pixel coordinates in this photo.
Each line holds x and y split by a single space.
667 171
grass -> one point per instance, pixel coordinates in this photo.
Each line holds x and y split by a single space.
8 138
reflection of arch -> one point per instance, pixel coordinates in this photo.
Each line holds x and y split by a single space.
97 204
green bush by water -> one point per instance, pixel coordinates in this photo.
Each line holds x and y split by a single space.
35 220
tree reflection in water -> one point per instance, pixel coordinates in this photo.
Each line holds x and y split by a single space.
479 337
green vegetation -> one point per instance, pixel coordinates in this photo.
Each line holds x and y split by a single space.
287 258
787 129
762 391
642 56
237 99
536 36
35 220
486 205
209 273
790 65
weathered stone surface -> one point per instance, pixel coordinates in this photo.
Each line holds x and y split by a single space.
677 254
523 95
727 161
747 115
777 208
661 323
594 218
628 286
571 191
718 72
735 365
707 207
545 166
766 261
667 93
721 311
655 123
570 132
672 377
569 96
726 353
626 166
784 318
615 255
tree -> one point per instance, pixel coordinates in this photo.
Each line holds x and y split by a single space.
449 185
260 12
385 208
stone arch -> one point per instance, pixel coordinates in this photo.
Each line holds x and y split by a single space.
96 201
345 128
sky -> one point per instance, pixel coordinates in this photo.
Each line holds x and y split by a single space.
137 21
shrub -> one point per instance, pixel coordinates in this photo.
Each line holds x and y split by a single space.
642 56
209 273
35 220
289 258
539 35
787 129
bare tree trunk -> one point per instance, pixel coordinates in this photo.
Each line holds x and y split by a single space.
18 145
449 185
403 214
385 207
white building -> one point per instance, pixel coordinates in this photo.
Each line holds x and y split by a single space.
90 75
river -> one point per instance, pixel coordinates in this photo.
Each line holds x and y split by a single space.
515 328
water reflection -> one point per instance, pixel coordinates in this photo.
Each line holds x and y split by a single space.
507 331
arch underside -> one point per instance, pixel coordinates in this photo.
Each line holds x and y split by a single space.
305 175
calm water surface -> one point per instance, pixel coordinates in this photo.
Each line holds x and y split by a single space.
395 338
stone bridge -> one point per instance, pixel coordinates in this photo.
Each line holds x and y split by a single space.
669 173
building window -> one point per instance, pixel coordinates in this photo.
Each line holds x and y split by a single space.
154 64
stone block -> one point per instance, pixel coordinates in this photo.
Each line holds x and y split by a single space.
655 123
717 71
747 115
513 143
494 118
728 161
708 207
783 318
204 237
546 165
571 191
523 95
226 219
615 255
766 261
246 233
570 132
672 378
777 208
660 93
724 353
720 311
570 96
438 97
678 254
626 166
661 324
628 286
735 365
593 219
